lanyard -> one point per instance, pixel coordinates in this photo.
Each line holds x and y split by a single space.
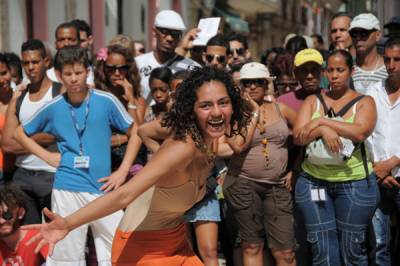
79 130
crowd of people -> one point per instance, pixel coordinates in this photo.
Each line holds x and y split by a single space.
178 155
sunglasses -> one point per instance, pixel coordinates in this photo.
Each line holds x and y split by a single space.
257 82
7 215
284 85
142 50
220 58
362 34
238 51
176 34
123 69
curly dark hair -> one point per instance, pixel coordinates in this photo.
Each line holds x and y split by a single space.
12 197
101 80
181 118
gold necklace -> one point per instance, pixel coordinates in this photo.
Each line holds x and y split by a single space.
211 153
264 141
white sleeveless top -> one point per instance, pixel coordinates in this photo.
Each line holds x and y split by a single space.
28 109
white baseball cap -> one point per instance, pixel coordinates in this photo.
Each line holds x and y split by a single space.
169 19
365 21
255 70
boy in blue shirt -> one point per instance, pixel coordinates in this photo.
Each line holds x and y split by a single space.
82 120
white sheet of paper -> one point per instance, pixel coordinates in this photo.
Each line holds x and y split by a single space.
209 28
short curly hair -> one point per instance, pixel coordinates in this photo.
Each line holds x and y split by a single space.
101 80
181 118
12 197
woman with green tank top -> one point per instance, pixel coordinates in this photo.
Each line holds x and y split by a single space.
337 200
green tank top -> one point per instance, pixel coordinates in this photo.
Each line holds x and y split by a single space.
350 170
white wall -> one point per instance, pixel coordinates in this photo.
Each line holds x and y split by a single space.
82 10
132 19
56 15
17 29
110 19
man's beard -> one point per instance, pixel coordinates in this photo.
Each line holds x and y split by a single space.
14 227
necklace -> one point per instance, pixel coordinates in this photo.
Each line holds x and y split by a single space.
210 152
264 141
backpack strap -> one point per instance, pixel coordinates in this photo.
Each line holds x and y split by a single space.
347 107
20 99
56 89
364 159
321 99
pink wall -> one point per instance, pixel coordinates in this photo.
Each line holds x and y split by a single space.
39 19
96 14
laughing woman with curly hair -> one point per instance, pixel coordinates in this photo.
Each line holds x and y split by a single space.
152 231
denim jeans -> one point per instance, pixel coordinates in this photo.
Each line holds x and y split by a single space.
381 223
336 227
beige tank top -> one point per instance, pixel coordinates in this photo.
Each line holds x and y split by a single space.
251 163
161 208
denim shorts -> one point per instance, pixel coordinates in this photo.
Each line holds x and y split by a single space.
205 210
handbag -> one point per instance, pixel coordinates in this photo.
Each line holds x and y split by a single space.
317 152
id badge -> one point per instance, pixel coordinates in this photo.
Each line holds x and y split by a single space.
318 194
81 161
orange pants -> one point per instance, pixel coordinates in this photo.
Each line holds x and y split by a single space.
167 247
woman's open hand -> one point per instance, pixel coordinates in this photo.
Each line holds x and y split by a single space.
49 233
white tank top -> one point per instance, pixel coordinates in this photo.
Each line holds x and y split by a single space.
28 109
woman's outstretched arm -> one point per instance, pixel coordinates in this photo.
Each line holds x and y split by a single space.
173 156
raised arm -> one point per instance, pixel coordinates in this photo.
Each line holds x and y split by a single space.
152 134
238 143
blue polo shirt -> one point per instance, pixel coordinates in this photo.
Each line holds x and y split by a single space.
102 113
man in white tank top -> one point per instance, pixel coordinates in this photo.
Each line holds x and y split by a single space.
33 175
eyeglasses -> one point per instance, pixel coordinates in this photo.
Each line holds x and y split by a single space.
220 58
283 85
238 51
257 82
360 33
176 34
7 215
122 69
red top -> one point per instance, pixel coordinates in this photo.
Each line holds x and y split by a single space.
24 254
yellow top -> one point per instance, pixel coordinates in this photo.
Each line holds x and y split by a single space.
351 169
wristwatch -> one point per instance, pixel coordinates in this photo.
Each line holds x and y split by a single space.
132 106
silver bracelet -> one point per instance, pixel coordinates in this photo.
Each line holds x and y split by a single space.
132 106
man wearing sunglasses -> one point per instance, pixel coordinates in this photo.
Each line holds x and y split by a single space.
216 52
239 53
365 32
168 30
14 247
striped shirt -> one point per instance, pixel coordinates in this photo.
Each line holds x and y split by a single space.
362 79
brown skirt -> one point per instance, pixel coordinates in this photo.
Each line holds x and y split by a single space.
168 247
